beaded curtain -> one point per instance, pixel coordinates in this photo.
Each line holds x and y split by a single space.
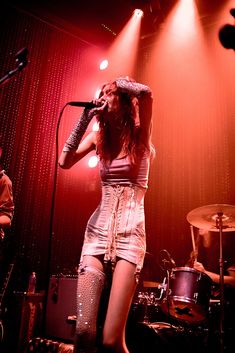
31 102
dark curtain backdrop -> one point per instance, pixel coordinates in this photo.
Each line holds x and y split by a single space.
194 164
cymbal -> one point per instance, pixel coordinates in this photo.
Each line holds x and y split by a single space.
205 217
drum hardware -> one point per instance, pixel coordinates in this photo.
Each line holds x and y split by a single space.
166 260
150 284
188 295
187 292
147 303
216 218
162 286
167 263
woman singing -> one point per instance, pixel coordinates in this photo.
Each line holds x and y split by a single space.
115 232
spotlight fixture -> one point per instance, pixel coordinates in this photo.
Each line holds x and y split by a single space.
92 162
138 13
227 34
104 64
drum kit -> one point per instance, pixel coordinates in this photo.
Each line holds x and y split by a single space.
184 299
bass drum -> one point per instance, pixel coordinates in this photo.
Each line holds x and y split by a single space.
188 295
163 337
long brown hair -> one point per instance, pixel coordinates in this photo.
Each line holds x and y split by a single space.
128 126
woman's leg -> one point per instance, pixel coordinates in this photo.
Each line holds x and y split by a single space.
121 295
89 288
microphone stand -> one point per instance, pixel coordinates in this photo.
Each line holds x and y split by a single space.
21 59
10 73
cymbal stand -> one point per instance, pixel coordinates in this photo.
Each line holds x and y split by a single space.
146 314
219 225
168 291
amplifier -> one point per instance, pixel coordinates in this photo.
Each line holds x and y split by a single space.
61 303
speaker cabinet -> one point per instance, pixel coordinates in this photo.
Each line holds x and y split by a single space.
61 303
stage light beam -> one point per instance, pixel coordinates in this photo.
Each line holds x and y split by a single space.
122 53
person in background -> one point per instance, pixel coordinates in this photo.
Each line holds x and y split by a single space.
208 263
115 239
229 276
208 250
6 200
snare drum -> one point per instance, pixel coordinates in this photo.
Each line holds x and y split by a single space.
188 295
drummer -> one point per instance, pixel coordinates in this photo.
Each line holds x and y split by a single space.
208 254
208 250
229 278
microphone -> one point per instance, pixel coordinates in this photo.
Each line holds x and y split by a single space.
21 58
172 262
21 55
88 105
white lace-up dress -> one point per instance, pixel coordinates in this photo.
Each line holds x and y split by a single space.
117 227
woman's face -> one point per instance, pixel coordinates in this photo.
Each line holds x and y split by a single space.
111 96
